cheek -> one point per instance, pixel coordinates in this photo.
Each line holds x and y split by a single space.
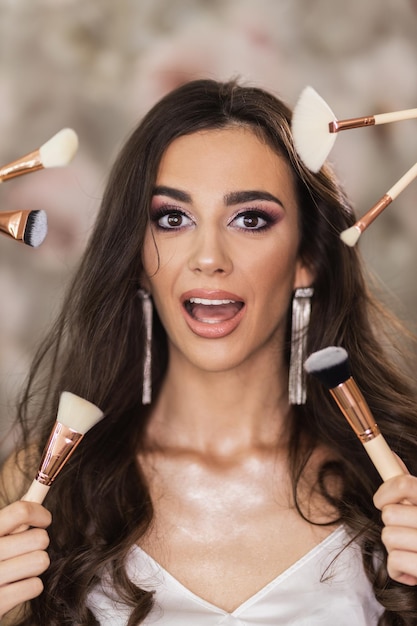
162 255
274 292
276 270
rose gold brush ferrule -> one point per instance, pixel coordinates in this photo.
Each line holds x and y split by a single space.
28 163
13 223
356 411
373 212
354 407
61 444
354 122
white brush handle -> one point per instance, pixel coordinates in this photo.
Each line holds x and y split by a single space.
351 235
395 116
36 492
354 407
383 458
401 184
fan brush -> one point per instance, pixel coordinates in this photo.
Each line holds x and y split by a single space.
315 126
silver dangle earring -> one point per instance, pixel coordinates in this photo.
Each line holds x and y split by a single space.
301 309
147 359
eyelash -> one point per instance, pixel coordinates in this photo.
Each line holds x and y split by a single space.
268 219
166 211
159 214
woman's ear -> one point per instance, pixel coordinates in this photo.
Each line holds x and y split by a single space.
304 275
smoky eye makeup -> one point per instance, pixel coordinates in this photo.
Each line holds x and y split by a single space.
250 211
255 219
167 216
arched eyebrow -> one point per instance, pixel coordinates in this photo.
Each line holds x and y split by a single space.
171 192
230 199
239 197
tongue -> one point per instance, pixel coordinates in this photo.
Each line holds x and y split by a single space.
213 313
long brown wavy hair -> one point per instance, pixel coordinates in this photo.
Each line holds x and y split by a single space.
102 506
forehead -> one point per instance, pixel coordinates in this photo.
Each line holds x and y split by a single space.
234 157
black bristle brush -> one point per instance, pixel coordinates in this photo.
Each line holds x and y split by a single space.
331 367
29 227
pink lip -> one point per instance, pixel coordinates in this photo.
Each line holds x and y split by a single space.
216 330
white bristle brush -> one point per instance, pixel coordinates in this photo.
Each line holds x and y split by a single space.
310 128
315 126
29 227
331 367
75 417
56 152
351 235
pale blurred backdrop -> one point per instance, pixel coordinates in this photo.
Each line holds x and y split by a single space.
97 66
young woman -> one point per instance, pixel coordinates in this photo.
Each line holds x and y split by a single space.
217 500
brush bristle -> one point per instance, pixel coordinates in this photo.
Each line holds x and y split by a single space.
77 413
310 128
350 236
330 366
60 149
36 228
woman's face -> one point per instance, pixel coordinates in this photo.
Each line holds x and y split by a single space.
220 255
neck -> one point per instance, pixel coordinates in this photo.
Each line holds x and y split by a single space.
224 412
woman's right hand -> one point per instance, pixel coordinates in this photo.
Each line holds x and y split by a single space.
23 555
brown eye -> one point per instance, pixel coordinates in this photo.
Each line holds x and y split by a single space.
174 220
169 219
251 221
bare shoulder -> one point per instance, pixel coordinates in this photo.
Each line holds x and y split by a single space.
16 473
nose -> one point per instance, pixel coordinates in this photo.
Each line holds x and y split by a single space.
210 253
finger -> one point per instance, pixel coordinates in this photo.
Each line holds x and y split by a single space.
401 545
396 490
399 515
28 541
23 566
18 593
402 567
401 462
400 538
23 513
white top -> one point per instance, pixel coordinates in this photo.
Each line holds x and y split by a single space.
314 591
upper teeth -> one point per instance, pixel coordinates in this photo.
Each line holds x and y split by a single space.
210 302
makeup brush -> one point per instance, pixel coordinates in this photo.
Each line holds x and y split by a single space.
331 367
29 227
74 418
351 235
56 152
310 128
315 126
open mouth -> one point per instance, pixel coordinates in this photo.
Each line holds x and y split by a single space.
212 311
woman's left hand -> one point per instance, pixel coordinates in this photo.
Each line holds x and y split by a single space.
397 500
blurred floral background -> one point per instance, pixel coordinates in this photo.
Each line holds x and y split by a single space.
98 65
